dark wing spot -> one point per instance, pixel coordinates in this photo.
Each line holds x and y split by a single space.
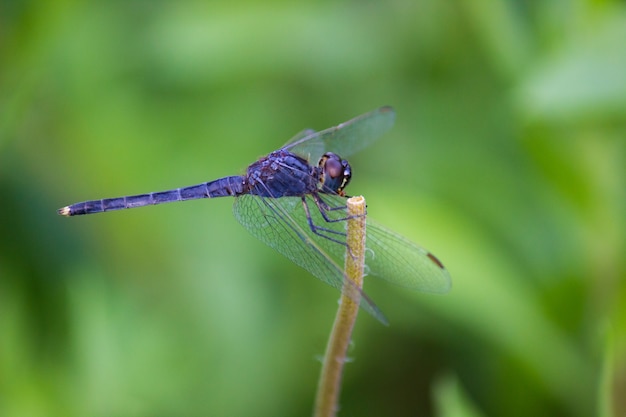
435 260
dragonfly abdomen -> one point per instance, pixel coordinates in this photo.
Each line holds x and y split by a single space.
223 187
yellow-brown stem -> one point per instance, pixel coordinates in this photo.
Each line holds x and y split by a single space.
326 403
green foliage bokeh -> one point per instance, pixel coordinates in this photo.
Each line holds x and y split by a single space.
507 161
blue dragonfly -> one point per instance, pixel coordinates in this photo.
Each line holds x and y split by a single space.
299 209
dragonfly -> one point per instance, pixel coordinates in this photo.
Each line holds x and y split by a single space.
299 209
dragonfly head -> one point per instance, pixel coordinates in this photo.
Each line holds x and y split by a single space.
335 173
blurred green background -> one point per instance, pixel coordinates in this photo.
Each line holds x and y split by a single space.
507 161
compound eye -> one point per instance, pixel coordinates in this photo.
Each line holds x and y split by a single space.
335 173
333 168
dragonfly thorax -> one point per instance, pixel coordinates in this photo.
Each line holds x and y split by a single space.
335 173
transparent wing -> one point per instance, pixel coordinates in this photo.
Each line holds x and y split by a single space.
300 135
281 223
344 139
402 262
396 259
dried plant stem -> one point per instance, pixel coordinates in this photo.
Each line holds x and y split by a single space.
326 403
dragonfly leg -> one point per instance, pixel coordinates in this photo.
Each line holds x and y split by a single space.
321 231
324 207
